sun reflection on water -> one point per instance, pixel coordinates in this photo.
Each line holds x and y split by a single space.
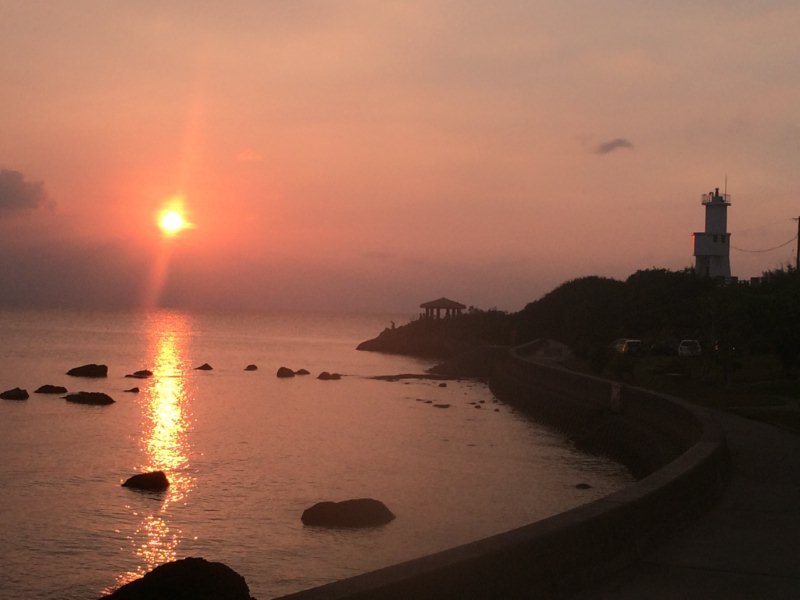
164 442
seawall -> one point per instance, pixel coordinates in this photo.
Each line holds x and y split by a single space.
676 449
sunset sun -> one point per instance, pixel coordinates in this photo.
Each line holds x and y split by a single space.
172 222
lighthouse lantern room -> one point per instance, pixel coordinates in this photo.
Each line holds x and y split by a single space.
712 246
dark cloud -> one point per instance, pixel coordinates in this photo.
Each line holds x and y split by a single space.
16 194
612 145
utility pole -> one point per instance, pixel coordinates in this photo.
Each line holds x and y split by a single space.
797 240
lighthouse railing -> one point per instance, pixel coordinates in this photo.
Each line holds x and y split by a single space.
716 198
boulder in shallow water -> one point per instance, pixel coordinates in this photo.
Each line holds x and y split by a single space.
251 368
204 367
133 390
325 376
155 481
143 374
284 372
90 370
97 398
51 389
360 512
14 394
188 578
302 372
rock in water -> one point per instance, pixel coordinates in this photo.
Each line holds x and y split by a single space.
204 367
89 398
361 512
186 579
285 372
143 374
14 394
251 368
155 481
51 389
133 390
325 376
90 370
302 372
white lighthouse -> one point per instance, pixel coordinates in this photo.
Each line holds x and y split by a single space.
712 246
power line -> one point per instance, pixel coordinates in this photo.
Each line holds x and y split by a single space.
767 249
761 226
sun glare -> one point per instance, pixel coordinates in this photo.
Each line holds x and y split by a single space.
172 222
172 219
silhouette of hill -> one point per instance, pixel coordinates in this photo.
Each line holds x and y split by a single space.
658 306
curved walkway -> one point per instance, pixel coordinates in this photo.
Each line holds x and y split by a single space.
746 547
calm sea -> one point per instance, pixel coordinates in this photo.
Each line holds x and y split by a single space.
247 452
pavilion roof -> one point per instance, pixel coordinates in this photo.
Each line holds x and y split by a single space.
442 303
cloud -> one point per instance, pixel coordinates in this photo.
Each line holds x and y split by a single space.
612 145
16 194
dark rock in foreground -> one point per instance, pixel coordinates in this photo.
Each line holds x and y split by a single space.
186 579
285 372
155 481
143 374
98 398
204 367
50 389
325 376
90 370
251 368
133 390
14 394
361 512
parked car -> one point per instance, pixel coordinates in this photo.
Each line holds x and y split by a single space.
627 346
689 348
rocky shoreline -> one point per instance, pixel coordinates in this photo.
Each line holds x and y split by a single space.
461 350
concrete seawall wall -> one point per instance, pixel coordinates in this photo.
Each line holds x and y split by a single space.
678 451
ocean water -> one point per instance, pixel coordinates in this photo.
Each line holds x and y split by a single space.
247 452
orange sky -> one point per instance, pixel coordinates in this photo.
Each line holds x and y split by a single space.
371 156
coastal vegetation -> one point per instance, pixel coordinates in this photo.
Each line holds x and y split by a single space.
749 335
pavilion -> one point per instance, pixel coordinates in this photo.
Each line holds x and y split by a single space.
434 308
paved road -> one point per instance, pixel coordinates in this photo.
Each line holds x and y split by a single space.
748 547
